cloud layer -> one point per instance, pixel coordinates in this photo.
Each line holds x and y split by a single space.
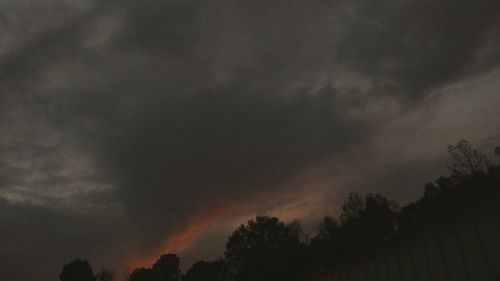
130 128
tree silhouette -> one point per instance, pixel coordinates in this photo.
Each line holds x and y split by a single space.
328 228
204 271
143 274
167 267
77 270
105 275
264 249
327 246
367 220
353 207
467 161
268 249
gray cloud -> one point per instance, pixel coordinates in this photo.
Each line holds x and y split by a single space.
413 47
42 238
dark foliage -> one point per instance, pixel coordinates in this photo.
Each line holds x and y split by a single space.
105 275
264 249
143 274
205 271
467 161
77 270
167 268
268 249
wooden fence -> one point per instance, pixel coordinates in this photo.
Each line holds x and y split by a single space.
462 245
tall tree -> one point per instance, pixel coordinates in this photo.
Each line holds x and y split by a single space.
204 271
77 270
325 248
353 207
367 220
143 274
328 228
105 275
467 161
264 249
167 267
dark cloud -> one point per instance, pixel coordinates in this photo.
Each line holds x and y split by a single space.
126 121
42 238
413 47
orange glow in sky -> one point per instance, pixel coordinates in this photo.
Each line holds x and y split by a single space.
180 241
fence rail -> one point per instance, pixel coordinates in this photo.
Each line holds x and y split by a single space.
463 245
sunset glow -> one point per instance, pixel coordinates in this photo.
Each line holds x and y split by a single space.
180 241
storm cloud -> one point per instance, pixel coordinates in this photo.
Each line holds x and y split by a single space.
129 127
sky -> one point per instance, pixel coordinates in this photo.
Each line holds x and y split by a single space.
135 128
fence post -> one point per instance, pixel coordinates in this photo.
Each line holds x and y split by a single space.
426 257
444 261
460 247
398 261
482 248
386 263
411 258
375 267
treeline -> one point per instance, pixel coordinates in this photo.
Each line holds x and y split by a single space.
268 249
